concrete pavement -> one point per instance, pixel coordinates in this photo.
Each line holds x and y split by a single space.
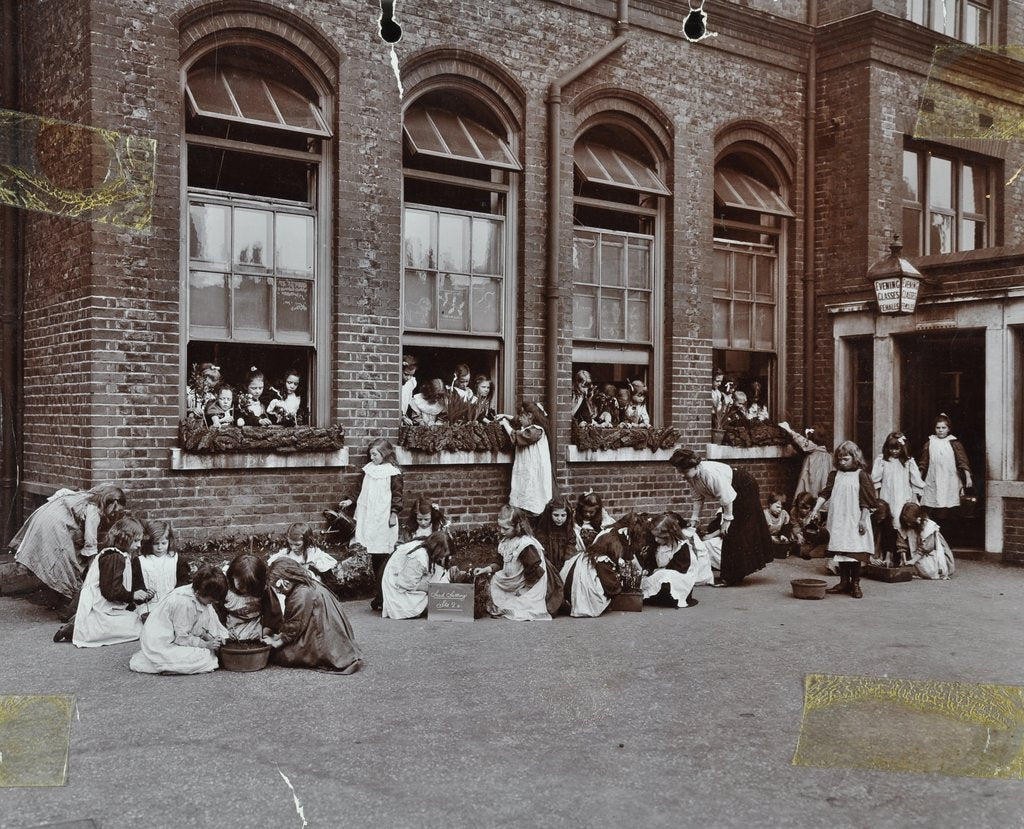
661 718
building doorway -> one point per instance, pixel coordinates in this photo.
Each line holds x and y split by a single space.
944 372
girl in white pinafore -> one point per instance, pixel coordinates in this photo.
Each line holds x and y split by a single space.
162 568
896 476
926 547
413 566
675 563
107 613
531 469
943 461
519 587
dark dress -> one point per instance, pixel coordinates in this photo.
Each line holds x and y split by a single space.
316 633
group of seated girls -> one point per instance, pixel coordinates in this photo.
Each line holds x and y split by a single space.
573 562
139 588
608 404
252 402
465 399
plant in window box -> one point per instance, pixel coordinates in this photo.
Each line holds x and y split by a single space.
719 419
589 438
454 437
195 436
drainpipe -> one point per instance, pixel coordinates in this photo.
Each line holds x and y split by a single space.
551 291
810 157
12 400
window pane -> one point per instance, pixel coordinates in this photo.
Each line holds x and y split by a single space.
974 190
453 303
583 260
911 231
252 238
422 131
584 312
251 96
486 305
252 296
720 323
639 275
207 86
741 324
940 238
611 261
911 177
612 311
296 110
975 25
764 329
419 238
208 233
639 319
972 235
295 307
487 246
208 300
453 243
944 16
294 243
940 182
720 269
915 11
764 277
454 135
419 299
743 276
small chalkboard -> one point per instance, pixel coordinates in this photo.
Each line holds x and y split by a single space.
450 602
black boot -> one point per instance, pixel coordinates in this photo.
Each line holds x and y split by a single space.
844 579
64 632
855 590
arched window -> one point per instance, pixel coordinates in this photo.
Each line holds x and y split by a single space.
459 173
751 215
256 127
617 255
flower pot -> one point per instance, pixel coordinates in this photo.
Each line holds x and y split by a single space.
809 588
629 601
239 657
717 435
889 574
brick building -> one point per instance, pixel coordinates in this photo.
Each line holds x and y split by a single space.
528 188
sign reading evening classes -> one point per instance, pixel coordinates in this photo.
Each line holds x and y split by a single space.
897 295
450 602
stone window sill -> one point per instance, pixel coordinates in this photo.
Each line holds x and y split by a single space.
201 461
410 457
718 452
625 454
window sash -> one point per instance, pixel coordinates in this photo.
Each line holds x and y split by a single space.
744 312
236 299
617 300
966 20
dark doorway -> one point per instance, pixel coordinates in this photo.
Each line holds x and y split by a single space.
944 372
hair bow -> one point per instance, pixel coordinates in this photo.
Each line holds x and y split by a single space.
253 368
902 440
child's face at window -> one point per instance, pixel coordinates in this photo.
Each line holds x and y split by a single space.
716 381
559 517
209 382
623 396
941 429
161 545
408 369
462 381
775 507
846 461
422 520
225 398
295 543
483 388
292 383
639 398
256 386
376 456
505 528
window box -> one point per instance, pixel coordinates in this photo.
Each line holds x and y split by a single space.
717 452
589 439
754 435
197 438
486 438
573 454
185 461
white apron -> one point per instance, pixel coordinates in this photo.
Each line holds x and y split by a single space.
102 622
373 510
679 584
509 596
936 564
402 576
586 596
160 574
172 635
942 486
897 484
844 517
703 551
531 477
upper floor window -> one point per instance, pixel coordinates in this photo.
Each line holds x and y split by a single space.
457 219
748 277
947 201
618 237
966 20
255 132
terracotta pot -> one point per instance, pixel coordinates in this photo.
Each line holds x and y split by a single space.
809 588
632 602
244 659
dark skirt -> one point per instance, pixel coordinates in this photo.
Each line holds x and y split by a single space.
747 547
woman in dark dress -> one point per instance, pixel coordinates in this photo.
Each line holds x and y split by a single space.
315 632
746 544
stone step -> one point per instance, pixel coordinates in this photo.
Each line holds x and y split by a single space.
16 579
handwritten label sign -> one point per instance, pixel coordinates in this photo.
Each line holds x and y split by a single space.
450 602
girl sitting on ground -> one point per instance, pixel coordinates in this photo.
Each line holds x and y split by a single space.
556 532
302 549
424 519
778 521
519 586
248 600
161 569
314 633
923 544
807 534
413 566
674 565
107 607
182 634
590 518
591 578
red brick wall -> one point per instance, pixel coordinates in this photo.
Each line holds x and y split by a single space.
1013 531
